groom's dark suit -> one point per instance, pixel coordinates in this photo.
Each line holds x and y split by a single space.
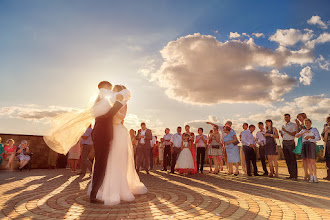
102 135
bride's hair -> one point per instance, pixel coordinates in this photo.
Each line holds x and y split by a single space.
118 88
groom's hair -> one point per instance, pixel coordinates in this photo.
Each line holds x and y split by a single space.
103 84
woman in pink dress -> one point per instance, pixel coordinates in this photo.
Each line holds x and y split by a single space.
10 153
192 148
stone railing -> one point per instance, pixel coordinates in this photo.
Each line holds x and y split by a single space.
37 146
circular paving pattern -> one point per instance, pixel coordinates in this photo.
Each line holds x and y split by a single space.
57 194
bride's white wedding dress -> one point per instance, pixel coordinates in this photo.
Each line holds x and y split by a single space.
121 182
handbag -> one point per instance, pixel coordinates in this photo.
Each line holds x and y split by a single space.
236 143
216 146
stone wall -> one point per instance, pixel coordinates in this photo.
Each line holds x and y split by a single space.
37 146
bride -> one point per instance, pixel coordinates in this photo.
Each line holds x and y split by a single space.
121 181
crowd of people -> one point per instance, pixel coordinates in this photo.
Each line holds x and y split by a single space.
9 152
187 153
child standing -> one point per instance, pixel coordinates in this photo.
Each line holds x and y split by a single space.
155 153
185 162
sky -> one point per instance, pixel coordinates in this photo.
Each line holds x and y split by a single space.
185 62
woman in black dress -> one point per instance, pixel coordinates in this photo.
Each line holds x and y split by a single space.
270 150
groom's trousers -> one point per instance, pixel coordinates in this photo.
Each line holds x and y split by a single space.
101 158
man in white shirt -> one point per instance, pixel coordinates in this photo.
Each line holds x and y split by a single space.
288 132
144 136
176 144
261 141
201 141
249 145
167 149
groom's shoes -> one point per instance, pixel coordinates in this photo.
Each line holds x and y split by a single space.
95 200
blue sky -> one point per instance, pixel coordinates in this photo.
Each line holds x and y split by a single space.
53 54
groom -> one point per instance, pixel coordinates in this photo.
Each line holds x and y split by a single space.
102 136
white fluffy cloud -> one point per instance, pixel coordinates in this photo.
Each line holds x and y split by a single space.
316 20
234 35
33 112
290 37
323 63
306 76
201 70
257 35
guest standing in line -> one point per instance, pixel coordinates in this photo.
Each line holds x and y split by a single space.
261 141
288 132
224 156
167 149
215 147
151 152
209 150
192 148
2 152
185 163
144 136
155 153
300 123
161 152
176 144
271 134
74 156
310 137
132 134
249 145
10 153
201 142
233 157
87 145
326 152
242 154
23 150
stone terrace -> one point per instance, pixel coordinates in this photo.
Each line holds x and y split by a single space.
58 194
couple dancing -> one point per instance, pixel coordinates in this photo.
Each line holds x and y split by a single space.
114 175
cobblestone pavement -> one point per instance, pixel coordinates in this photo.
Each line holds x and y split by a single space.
57 194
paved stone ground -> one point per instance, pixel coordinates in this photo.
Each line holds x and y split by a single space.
57 194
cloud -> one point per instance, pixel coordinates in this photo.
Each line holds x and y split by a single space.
245 34
323 64
234 35
306 76
257 35
290 37
199 69
316 20
323 38
33 112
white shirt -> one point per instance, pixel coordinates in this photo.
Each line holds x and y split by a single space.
291 127
143 132
153 141
177 140
260 138
312 132
167 139
247 138
201 143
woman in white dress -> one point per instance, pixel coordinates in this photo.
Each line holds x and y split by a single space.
121 181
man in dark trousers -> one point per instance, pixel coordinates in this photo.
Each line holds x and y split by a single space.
102 136
144 136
